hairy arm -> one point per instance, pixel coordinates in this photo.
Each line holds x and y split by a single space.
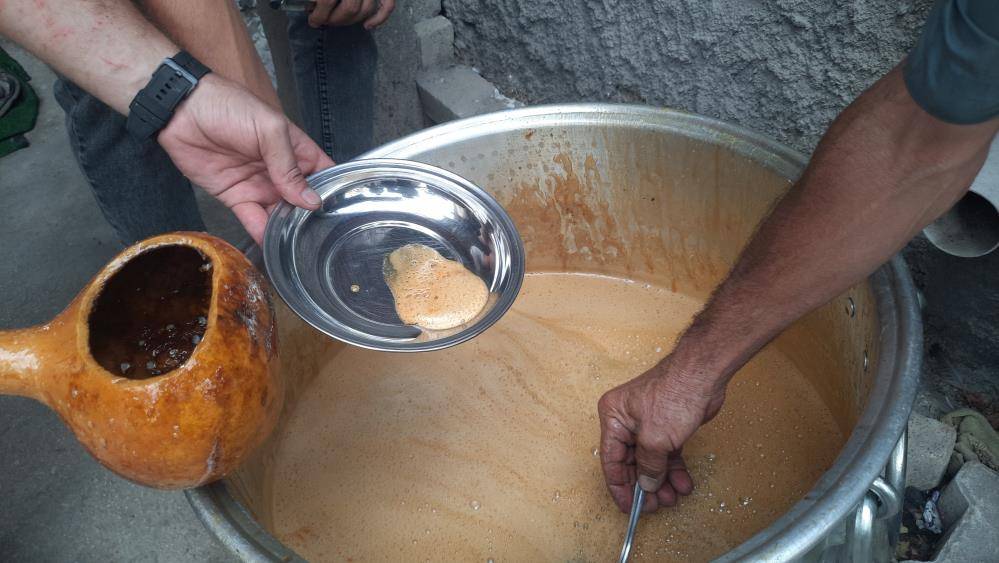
884 169
105 46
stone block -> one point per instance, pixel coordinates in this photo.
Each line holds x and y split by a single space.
969 509
435 38
929 447
458 92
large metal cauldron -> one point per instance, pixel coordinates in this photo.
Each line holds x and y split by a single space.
671 197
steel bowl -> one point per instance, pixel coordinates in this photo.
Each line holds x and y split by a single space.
327 264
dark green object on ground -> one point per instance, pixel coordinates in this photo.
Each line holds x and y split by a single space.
20 118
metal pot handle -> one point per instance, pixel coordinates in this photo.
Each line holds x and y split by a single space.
889 501
883 501
895 475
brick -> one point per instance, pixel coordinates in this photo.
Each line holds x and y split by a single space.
930 444
458 92
969 510
435 38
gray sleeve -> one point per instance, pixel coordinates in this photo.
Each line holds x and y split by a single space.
953 71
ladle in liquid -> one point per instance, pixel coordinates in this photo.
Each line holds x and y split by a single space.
164 366
636 510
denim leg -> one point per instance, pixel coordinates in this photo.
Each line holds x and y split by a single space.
335 76
139 190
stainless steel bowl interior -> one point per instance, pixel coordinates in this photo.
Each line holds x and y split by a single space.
327 265
669 197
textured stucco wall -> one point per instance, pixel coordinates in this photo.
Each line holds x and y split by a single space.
782 67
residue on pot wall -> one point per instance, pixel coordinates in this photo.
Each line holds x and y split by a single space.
579 211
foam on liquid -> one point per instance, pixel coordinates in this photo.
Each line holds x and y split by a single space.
486 451
431 291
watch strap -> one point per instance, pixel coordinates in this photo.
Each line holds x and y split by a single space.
154 105
192 65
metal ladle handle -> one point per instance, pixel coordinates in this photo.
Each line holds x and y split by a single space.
636 509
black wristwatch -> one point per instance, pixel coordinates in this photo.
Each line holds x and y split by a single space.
153 106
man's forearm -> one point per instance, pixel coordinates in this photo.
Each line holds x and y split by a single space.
214 32
883 171
105 46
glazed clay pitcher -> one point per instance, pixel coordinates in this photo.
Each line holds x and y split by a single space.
164 366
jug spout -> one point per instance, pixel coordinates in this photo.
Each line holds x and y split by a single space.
23 361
